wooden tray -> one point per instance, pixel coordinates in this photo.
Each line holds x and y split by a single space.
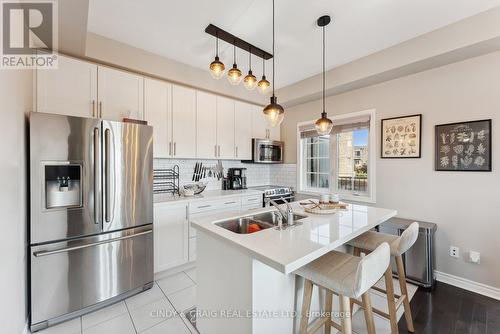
323 208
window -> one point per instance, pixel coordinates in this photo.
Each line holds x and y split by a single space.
342 162
317 162
352 161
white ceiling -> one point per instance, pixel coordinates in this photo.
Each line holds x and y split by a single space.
175 28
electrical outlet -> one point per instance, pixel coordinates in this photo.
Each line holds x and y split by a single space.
454 251
474 257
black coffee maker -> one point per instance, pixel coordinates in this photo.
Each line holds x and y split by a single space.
237 178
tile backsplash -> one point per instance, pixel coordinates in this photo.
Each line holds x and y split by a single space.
284 175
257 174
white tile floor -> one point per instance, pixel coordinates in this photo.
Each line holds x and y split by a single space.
143 313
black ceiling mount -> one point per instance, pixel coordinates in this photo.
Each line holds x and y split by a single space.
236 41
323 20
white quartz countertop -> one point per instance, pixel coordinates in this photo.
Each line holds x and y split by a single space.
206 195
288 250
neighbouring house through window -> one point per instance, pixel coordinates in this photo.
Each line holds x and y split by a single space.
340 162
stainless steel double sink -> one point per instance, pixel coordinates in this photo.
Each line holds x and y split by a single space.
254 223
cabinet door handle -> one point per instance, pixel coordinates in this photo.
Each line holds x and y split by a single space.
175 148
236 151
215 150
219 151
100 109
169 148
230 203
93 108
204 206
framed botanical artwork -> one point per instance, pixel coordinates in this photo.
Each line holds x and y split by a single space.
464 146
401 137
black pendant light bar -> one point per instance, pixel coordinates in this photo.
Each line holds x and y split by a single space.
236 41
323 21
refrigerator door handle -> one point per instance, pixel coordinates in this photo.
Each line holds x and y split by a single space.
69 249
107 174
97 174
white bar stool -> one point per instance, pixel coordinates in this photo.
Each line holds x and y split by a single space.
399 245
347 276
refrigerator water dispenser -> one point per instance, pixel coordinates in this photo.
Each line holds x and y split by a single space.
62 186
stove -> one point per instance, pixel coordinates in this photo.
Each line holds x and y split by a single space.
276 193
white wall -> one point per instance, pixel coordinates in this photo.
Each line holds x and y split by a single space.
15 102
466 206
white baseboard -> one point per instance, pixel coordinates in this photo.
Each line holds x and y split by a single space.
169 272
469 285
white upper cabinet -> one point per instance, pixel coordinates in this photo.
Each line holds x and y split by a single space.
158 114
187 123
171 240
183 122
259 125
69 90
225 128
206 129
120 94
274 133
243 130
260 128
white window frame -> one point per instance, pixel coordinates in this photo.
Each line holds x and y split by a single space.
370 196
313 190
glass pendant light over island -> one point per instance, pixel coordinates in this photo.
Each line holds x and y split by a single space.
274 112
324 125
263 85
234 74
217 68
250 81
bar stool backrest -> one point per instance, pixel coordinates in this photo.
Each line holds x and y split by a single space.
408 238
371 268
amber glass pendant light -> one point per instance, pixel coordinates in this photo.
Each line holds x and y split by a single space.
217 68
274 112
234 74
250 81
263 85
324 125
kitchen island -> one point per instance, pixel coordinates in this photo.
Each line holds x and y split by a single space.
246 282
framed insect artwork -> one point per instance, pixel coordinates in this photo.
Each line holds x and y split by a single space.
464 146
401 137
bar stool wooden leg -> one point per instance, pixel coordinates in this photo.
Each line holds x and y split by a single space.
346 319
367 309
306 304
356 251
328 311
404 292
391 303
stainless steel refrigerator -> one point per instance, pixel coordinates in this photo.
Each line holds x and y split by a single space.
91 214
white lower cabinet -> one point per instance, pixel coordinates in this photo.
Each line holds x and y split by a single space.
251 203
192 249
175 239
202 208
171 246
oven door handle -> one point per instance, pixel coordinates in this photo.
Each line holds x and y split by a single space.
275 198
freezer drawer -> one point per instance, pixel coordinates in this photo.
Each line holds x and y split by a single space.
69 276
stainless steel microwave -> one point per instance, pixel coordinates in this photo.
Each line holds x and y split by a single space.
266 151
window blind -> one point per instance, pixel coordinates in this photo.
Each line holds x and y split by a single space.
343 125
